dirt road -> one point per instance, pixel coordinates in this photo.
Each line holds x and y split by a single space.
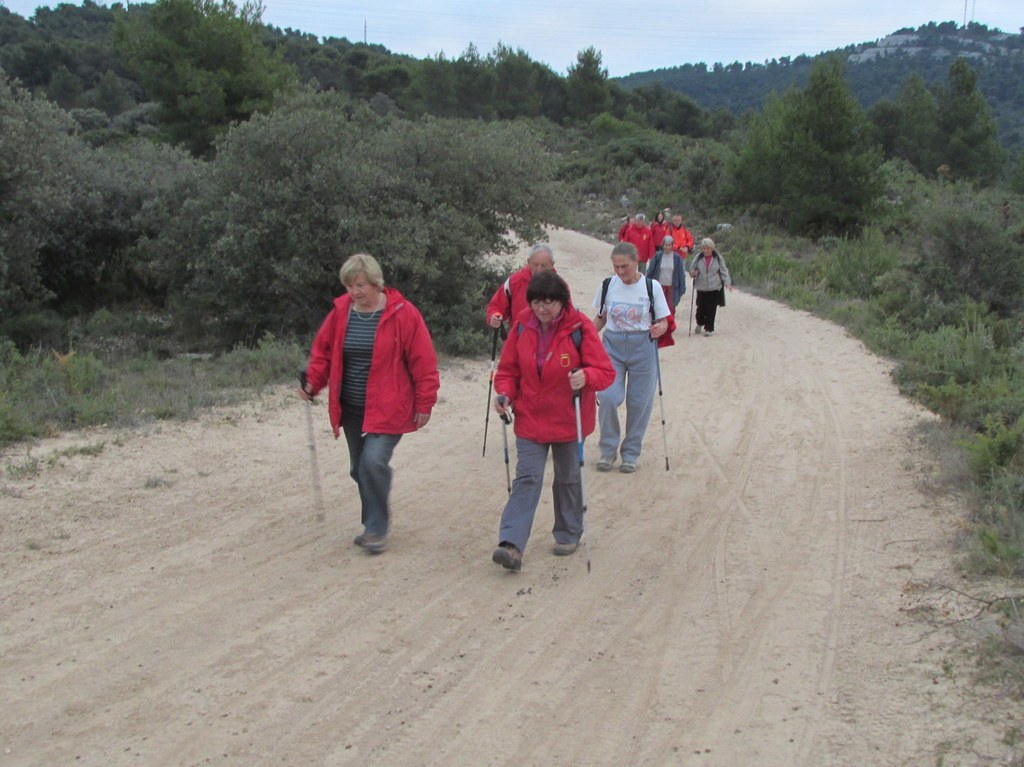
173 601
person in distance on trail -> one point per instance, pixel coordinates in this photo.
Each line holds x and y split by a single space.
639 234
669 269
627 221
682 240
510 297
659 228
632 310
710 280
552 351
375 354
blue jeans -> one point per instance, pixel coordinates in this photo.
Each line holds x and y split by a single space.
634 357
566 492
369 458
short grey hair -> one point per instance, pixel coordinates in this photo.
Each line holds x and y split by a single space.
541 247
707 241
625 249
640 217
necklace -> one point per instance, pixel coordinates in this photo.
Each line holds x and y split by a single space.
365 317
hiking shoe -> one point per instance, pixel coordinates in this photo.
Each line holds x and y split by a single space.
605 464
709 332
627 467
374 544
508 556
360 539
699 329
564 549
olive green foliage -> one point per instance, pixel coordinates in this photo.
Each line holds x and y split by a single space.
968 127
42 392
1017 175
587 90
949 131
908 128
610 158
72 215
972 245
862 267
205 64
37 164
292 194
807 160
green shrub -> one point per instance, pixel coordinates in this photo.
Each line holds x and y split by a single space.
999 544
257 248
41 391
270 362
993 450
860 266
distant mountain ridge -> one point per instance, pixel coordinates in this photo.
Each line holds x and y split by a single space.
875 71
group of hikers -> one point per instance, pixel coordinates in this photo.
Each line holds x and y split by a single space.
558 376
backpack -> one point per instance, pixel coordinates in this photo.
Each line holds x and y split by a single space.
650 295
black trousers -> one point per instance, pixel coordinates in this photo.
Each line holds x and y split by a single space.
707 308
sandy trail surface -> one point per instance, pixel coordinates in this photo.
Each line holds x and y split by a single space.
174 601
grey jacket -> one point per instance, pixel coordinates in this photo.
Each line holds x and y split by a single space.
713 277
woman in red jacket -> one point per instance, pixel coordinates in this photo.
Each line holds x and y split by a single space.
375 354
659 228
552 351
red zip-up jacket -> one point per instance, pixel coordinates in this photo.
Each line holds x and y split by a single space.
403 370
517 284
640 236
543 402
659 230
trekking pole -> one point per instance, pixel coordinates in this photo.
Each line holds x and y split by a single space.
506 419
661 400
490 382
318 493
693 292
584 538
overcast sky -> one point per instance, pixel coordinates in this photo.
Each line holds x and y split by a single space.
646 36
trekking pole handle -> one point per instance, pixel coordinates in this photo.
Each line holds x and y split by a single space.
303 380
576 393
502 400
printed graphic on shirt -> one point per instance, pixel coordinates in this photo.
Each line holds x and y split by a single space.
628 317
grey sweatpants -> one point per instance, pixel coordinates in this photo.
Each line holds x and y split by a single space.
634 357
566 493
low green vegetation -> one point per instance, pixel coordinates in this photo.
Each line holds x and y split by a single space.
43 392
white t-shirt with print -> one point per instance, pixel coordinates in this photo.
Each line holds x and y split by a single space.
627 308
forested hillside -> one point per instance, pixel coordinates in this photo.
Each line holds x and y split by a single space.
875 72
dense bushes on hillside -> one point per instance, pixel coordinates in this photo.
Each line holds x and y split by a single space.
291 195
